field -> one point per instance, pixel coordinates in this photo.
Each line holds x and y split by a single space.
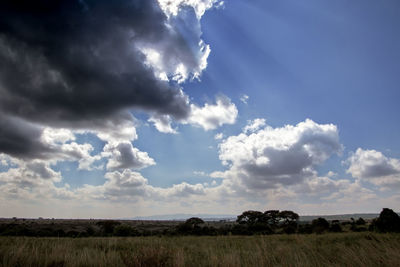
339 249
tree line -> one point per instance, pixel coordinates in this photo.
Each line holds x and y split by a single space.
248 223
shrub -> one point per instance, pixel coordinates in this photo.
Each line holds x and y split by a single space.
320 225
388 221
360 221
190 226
305 229
335 227
108 226
125 230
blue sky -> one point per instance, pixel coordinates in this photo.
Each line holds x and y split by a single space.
303 96
294 60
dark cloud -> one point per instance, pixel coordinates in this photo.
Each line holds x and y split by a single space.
21 139
73 60
78 63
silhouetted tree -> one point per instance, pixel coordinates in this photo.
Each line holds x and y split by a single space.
90 231
108 226
255 222
288 221
335 226
191 226
194 221
125 230
360 221
320 225
305 229
272 217
288 217
388 221
250 217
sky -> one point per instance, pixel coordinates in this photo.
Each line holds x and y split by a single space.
118 109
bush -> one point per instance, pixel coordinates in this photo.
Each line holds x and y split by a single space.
305 229
320 225
335 227
191 227
290 228
388 221
360 221
125 230
108 226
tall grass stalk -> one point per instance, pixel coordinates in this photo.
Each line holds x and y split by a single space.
345 249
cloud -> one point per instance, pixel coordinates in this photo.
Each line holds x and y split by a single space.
184 190
210 117
92 67
244 98
28 180
51 136
219 136
254 125
20 138
118 129
374 167
203 174
272 157
172 8
126 185
28 141
178 63
125 156
129 185
54 145
83 65
162 123
80 152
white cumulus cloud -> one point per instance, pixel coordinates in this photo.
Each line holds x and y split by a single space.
125 156
172 7
162 123
254 125
373 166
211 116
270 156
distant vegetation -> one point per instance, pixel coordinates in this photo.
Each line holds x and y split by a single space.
248 223
270 238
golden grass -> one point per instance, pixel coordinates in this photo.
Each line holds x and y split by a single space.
345 249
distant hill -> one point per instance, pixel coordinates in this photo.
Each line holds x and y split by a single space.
340 217
230 217
182 217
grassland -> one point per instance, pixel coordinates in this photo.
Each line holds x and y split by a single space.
339 249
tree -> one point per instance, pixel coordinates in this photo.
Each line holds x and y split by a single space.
124 230
335 226
108 226
250 217
288 217
320 225
255 222
271 217
194 221
360 221
288 220
388 221
190 226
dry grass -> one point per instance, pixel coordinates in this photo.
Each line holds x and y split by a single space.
346 249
